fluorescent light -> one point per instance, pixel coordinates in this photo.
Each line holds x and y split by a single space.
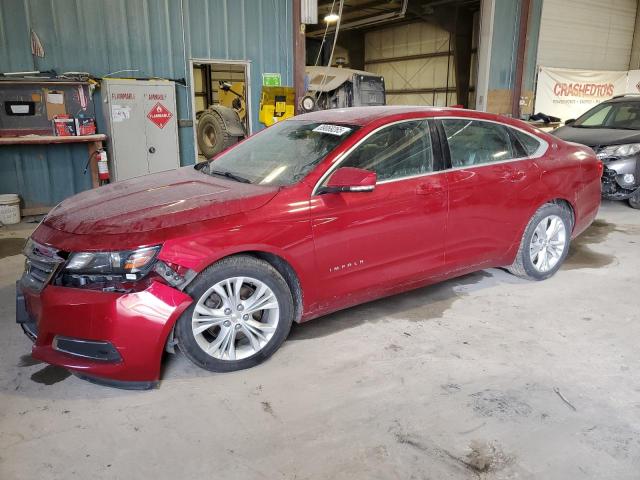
331 17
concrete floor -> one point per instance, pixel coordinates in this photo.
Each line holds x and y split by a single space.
486 376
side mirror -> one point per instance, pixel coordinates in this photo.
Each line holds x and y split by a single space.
570 121
349 179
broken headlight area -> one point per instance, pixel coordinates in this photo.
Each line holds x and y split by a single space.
119 271
615 152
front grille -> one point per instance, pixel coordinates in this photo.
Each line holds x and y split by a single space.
609 174
40 266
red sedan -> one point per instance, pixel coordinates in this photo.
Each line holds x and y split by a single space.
314 214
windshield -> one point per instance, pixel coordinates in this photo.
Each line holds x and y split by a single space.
282 154
616 115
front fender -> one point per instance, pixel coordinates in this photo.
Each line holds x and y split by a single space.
137 324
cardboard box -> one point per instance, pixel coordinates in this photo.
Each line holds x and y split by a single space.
85 125
64 126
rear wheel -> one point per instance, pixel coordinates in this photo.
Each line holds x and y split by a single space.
242 312
545 243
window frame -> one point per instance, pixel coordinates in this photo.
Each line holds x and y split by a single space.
542 149
439 162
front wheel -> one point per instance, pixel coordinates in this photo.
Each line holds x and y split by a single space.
545 243
242 312
634 201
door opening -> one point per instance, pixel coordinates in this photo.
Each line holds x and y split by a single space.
220 94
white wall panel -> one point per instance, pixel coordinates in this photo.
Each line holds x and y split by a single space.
410 74
587 34
403 40
431 72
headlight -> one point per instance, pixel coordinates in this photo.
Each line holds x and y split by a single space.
619 151
628 179
130 263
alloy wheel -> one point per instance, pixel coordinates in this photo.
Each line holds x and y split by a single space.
235 318
548 243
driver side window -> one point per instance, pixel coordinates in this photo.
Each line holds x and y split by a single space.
397 151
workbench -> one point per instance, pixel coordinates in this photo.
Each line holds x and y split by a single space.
94 143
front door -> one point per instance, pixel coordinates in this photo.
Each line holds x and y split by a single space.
369 243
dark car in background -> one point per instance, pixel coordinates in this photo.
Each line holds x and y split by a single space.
612 130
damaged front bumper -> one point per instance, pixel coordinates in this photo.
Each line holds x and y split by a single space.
114 339
621 178
26 322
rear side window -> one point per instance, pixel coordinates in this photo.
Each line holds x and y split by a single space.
529 143
473 142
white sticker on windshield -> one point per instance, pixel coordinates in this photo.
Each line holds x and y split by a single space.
332 129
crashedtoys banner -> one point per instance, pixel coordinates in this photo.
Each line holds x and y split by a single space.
567 93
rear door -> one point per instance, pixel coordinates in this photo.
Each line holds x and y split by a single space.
370 242
489 180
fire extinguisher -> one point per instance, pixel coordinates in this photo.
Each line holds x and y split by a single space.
103 167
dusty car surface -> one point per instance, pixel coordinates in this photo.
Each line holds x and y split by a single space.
312 215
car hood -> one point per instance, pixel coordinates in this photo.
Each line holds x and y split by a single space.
593 137
151 202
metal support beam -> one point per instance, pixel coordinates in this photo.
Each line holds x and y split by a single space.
299 55
520 57
462 41
423 90
419 56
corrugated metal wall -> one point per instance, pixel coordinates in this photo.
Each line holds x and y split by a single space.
599 38
155 37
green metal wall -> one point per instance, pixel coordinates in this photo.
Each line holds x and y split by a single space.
504 46
156 37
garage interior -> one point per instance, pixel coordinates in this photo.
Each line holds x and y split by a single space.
485 376
426 51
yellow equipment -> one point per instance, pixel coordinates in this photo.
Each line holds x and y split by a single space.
232 95
276 104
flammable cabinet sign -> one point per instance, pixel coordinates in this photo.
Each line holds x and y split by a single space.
159 114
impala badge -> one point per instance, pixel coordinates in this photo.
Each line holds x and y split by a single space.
345 266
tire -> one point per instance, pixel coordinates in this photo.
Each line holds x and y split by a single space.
229 320
534 238
634 202
212 134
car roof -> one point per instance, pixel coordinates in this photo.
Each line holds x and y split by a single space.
365 115
624 98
